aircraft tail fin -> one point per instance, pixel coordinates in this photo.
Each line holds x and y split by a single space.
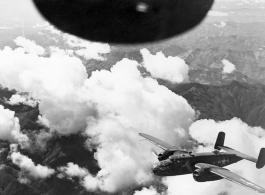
261 159
220 140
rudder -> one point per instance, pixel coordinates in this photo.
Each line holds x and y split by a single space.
220 140
261 159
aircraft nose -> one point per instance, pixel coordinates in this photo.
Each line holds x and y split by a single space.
155 169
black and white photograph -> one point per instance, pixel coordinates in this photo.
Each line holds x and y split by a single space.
132 97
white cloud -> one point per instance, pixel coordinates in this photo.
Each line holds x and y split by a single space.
87 49
85 178
90 183
217 14
146 191
29 46
170 68
228 66
26 164
22 99
92 51
73 170
52 80
221 24
128 104
112 106
9 126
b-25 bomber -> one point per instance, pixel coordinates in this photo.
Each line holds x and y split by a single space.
207 166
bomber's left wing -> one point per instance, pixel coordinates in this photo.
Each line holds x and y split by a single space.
158 142
226 174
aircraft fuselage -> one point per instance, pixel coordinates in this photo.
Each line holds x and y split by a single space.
183 163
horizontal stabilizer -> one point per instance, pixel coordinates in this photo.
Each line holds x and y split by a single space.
261 159
239 154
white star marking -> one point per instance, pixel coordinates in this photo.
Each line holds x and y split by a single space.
223 161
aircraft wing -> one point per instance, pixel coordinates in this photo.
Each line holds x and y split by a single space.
226 174
158 142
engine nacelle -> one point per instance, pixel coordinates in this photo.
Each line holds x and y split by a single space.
164 155
202 175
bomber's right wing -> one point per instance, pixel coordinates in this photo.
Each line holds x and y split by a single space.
225 173
159 143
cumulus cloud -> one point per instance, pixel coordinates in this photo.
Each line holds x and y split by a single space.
228 66
170 68
128 104
9 126
239 136
29 46
91 183
73 170
146 191
111 106
27 165
22 99
217 14
53 81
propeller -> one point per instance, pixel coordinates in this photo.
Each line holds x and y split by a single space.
155 152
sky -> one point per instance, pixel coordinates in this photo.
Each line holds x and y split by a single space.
13 11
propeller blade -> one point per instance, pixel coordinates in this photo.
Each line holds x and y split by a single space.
155 152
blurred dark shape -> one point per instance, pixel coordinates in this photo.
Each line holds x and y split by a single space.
124 21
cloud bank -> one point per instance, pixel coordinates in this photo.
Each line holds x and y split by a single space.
128 104
52 80
111 106
9 126
29 46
